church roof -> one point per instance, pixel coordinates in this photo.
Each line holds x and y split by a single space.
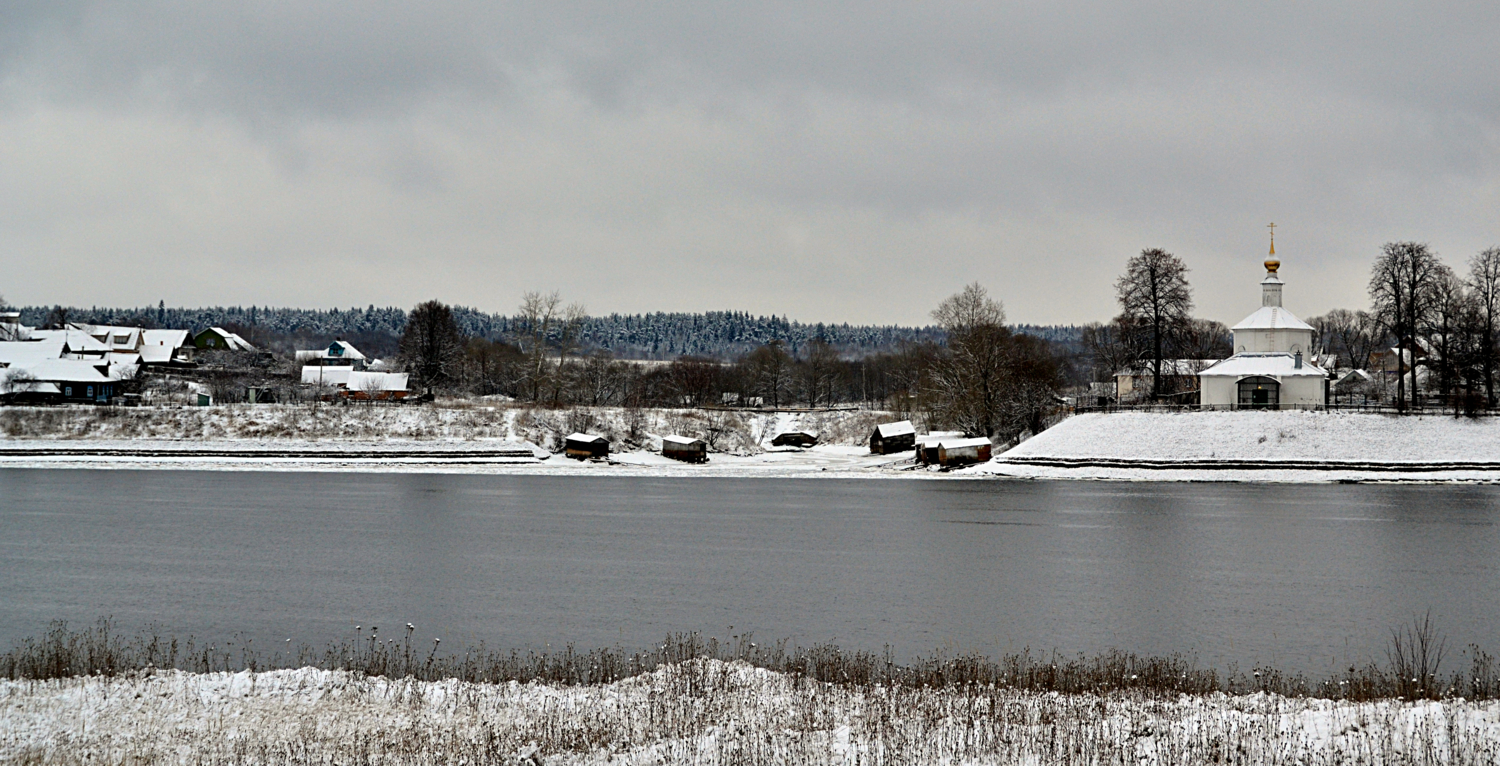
1271 318
1276 365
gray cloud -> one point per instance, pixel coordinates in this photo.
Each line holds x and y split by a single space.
831 162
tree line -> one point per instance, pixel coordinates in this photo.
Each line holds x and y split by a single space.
982 378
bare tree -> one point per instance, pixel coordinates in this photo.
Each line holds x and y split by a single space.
1401 291
548 324
988 382
769 371
819 373
1155 298
432 347
1484 282
1351 336
1109 348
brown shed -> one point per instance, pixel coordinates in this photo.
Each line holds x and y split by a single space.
890 438
956 452
684 448
585 446
795 439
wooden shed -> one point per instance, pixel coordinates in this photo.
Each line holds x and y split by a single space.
795 439
956 452
684 448
585 446
927 445
890 438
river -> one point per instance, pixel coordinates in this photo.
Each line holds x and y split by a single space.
1301 577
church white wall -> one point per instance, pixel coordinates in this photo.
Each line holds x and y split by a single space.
1302 390
1218 391
1268 341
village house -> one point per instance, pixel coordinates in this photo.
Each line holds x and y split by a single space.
220 339
339 353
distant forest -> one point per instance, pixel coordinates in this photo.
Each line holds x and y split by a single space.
724 335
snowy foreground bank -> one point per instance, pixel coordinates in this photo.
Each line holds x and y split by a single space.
1288 446
703 712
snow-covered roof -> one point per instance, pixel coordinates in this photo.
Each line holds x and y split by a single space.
79 342
1278 365
963 443
169 338
797 431
66 371
233 341
1355 376
899 428
933 437
587 438
374 381
682 440
339 349
316 375
159 354
31 351
1271 318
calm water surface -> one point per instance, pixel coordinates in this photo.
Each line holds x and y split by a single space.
1300 577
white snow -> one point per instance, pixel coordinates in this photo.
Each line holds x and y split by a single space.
1342 445
703 712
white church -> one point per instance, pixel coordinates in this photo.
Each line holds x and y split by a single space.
1270 369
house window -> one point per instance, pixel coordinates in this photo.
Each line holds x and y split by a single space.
91 392
1259 393
68 391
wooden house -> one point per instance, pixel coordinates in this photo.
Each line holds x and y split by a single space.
890 438
957 452
585 446
795 439
684 448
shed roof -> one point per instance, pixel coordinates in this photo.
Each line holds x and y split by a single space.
682 440
899 428
30 351
1276 365
585 438
962 443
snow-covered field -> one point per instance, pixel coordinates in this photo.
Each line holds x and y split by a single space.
703 712
1259 446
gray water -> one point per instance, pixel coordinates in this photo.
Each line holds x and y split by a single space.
1304 578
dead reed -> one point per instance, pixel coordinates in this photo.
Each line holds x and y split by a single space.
1413 670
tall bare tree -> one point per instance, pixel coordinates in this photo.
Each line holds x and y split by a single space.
1402 286
432 347
769 372
547 324
1484 282
987 381
1155 298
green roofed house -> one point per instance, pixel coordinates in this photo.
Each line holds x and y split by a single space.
220 339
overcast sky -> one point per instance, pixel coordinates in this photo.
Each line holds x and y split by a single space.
830 162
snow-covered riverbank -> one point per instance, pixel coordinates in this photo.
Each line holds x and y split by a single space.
456 438
703 712
1290 446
